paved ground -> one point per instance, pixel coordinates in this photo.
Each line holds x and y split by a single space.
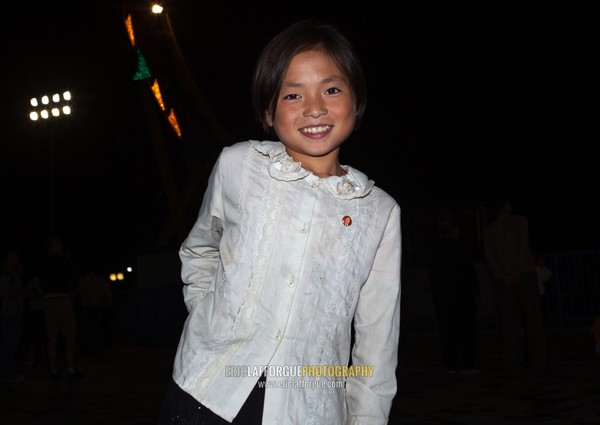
125 386
568 394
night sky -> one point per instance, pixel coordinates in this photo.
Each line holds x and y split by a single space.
465 102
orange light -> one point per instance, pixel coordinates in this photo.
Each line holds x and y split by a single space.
157 94
173 120
129 26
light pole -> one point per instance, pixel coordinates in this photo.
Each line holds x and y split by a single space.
42 109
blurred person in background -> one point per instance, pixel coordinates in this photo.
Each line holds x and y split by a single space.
512 268
12 315
59 281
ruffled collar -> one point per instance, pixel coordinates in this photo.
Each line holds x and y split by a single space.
353 184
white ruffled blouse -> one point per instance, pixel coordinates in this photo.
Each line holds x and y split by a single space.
278 266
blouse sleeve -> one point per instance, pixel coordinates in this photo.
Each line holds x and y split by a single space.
377 331
199 252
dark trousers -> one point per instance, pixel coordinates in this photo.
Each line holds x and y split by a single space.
34 334
11 332
180 408
520 308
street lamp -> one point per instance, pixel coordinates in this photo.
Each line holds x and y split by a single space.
157 8
43 108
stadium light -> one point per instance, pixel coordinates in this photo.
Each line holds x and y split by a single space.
46 106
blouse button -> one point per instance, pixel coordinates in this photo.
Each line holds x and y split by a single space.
278 336
292 283
304 228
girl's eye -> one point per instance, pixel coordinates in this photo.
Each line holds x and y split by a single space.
291 96
333 90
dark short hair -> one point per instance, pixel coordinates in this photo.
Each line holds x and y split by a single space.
302 36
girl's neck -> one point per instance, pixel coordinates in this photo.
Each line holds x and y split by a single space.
325 166
324 172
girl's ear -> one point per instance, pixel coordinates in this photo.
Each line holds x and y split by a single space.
269 118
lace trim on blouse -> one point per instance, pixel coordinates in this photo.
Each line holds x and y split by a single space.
354 184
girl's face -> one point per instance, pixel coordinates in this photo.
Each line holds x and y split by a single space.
315 109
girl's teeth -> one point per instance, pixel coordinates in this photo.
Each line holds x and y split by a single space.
316 129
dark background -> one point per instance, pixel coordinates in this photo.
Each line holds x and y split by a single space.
466 101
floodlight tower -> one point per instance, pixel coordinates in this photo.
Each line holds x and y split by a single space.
46 108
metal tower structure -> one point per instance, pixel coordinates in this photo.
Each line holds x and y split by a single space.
185 134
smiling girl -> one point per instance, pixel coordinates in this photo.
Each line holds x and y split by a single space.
292 270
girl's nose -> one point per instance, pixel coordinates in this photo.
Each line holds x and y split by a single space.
315 107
